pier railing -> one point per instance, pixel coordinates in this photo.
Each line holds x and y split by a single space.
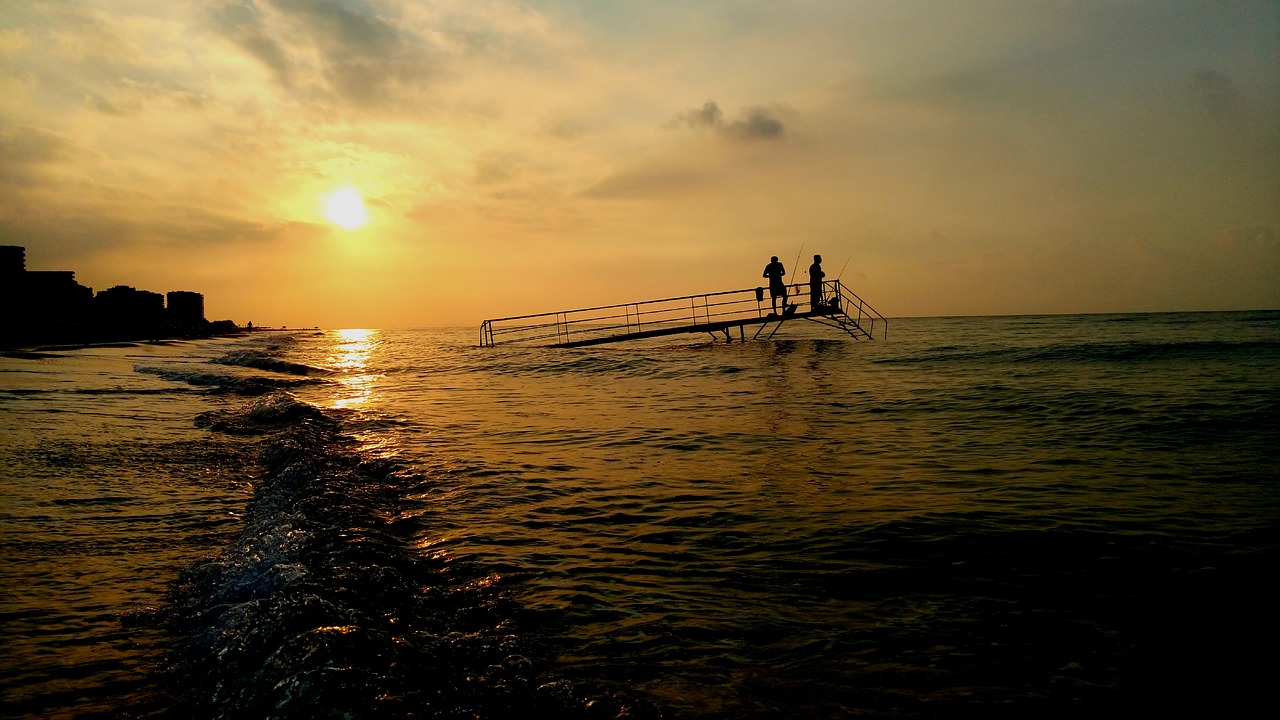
708 312
862 314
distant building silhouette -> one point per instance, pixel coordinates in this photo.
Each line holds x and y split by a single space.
123 311
40 304
51 307
13 261
184 307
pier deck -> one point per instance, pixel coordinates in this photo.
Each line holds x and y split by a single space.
717 314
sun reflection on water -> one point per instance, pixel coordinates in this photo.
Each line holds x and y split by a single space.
350 358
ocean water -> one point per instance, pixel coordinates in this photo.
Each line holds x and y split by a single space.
1049 516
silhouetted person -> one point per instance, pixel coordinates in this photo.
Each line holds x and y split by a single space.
774 271
815 283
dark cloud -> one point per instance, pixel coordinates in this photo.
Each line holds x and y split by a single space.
364 57
61 237
495 168
567 130
1216 93
127 97
68 234
645 183
103 105
243 25
350 30
266 50
755 123
709 115
27 146
25 153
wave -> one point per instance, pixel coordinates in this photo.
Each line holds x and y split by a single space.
275 412
324 605
263 361
1129 351
252 385
111 391
612 362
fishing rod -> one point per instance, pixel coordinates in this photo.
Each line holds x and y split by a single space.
836 285
793 271
842 267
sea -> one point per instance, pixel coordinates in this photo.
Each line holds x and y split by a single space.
1065 516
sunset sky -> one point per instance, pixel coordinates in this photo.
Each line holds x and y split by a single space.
968 157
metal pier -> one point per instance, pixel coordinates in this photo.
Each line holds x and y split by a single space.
722 315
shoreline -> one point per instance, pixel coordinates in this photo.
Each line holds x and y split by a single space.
37 351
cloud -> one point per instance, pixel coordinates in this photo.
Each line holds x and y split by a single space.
330 47
495 168
243 26
1216 93
755 123
345 28
651 182
758 123
128 97
25 153
27 146
709 116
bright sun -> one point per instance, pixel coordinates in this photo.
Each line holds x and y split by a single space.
345 209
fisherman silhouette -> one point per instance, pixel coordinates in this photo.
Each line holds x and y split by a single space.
774 271
815 284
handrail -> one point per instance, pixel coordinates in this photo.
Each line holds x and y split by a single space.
620 305
863 309
708 312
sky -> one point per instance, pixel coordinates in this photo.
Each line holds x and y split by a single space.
945 158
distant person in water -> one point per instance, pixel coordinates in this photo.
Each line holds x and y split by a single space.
774 271
815 283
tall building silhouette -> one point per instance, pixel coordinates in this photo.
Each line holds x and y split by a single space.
49 306
39 304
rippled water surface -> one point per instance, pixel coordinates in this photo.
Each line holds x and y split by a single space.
1061 516
106 491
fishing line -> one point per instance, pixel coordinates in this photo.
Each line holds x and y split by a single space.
842 267
793 274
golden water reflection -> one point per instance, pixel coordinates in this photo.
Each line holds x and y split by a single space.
350 359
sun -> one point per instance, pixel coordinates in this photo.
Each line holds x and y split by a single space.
345 208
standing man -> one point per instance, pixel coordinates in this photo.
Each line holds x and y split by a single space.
774 271
815 284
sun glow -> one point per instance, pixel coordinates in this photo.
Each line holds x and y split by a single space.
345 208
350 358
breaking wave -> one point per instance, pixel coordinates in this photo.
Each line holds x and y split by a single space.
264 361
239 385
325 605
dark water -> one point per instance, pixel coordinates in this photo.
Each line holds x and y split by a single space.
1066 516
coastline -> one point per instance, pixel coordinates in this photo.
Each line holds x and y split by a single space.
34 351
30 350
